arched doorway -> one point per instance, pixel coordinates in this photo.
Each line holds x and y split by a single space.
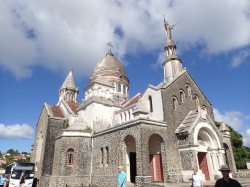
155 158
208 150
130 158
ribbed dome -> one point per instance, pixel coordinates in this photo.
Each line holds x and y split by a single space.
109 66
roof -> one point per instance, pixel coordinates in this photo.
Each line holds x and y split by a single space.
57 111
223 127
133 100
73 106
109 65
188 122
19 157
69 81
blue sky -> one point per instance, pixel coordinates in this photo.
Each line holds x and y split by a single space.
41 40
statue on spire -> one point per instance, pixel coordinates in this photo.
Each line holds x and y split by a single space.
168 29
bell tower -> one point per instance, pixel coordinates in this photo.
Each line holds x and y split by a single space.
172 64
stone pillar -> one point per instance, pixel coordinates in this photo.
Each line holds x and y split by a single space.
214 161
220 159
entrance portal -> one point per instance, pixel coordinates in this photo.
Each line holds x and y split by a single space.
203 164
132 166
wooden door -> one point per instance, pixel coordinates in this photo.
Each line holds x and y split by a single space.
158 167
203 164
151 156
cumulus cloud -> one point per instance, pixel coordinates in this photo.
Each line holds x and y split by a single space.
16 131
239 58
231 118
73 34
246 138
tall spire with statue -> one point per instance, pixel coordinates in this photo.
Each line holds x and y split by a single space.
172 64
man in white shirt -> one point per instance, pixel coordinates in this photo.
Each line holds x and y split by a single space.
196 179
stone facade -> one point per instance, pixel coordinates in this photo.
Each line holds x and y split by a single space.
160 135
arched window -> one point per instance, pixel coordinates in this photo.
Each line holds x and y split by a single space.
182 96
150 103
101 156
188 90
70 157
107 155
196 100
175 103
119 88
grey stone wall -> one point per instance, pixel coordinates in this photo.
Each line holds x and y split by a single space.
188 160
79 172
175 117
54 125
41 135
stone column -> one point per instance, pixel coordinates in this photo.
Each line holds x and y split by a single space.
214 160
219 156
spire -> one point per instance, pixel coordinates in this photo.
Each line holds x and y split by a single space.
172 64
68 90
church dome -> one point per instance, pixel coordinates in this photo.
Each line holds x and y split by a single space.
109 67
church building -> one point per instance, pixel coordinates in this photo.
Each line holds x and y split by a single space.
159 135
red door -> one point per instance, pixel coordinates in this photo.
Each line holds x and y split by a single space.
158 167
151 166
203 164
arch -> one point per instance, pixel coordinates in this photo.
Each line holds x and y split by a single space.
196 100
227 154
70 157
175 102
206 133
182 96
130 157
150 102
101 156
155 157
188 89
119 87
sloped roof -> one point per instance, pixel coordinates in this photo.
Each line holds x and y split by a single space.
188 122
133 100
73 106
56 111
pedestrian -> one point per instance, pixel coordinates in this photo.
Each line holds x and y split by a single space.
7 181
226 180
2 180
121 182
196 180
22 180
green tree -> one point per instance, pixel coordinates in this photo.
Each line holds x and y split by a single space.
239 151
1 155
11 151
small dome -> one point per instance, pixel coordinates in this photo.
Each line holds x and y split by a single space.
223 127
109 66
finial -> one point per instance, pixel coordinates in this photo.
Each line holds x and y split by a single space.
70 70
110 45
168 29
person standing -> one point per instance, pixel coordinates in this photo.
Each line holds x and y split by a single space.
2 180
22 180
196 179
121 182
226 180
7 181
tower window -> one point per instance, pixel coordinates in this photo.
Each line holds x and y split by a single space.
101 159
196 99
107 155
119 88
150 103
175 103
70 157
188 90
182 96
124 89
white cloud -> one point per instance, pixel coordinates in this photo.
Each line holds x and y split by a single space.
239 58
73 34
246 138
232 118
16 131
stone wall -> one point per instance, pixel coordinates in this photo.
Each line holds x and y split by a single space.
188 160
175 117
243 173
54 125
37 154
79 172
